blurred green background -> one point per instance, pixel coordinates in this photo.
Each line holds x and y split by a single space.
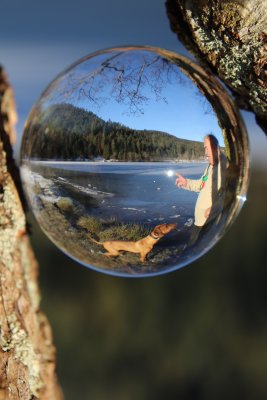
197 333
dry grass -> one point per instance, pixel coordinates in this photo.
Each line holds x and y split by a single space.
125 232
91 224
65 204
112 230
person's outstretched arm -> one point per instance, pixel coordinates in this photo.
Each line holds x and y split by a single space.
189 184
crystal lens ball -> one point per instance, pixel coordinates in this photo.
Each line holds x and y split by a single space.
135 161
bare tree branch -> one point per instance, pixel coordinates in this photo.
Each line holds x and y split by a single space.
117 77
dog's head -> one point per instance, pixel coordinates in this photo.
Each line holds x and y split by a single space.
161 230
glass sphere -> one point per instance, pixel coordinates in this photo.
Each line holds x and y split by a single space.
135 161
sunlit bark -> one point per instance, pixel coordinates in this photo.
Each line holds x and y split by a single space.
27 354
230 38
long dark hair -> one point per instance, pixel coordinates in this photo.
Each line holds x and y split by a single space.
214 147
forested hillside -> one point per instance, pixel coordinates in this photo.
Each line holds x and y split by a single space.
66 132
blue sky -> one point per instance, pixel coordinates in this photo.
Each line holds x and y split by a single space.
40 39
166 100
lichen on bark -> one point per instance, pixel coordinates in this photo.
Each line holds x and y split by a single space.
27 354
230 38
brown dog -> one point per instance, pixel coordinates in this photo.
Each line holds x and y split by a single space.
142 246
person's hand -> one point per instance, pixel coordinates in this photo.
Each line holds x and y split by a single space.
180 180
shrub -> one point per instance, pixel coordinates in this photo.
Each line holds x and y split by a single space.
65 204
125 232
92 224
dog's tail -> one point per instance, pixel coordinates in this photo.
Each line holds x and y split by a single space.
93 240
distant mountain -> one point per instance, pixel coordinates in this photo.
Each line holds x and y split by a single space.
66 132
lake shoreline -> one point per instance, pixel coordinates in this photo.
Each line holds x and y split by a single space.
75 162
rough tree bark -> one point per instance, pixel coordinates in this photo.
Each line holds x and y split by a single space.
27 354
230 38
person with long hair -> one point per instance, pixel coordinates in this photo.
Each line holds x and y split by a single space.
210 185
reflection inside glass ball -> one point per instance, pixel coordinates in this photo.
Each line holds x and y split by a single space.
135 161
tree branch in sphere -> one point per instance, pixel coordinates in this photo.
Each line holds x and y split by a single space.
126 79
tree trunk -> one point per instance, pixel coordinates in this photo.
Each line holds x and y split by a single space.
230 38
27 354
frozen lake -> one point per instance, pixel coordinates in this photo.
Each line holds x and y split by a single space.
137 191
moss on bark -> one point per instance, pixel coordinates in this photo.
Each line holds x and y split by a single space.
27 354
228 37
